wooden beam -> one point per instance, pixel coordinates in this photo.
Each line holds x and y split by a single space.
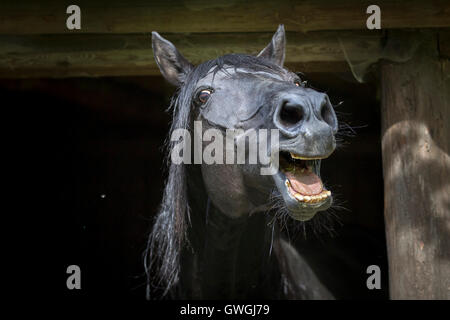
143 16
125 55
416 167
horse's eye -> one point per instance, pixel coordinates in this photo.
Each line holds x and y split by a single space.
204 95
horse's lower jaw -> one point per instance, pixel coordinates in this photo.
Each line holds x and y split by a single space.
301 210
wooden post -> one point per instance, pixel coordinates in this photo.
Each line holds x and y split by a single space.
416 169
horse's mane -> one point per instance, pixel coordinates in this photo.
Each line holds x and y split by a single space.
169 233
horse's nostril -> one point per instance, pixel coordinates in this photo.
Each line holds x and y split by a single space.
328 115
290 115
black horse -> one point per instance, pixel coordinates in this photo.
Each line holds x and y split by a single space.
216 235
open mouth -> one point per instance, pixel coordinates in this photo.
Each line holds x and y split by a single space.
299 183
302 179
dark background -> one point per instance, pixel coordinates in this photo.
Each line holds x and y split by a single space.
89 176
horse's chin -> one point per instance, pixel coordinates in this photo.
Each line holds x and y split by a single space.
302 206
305 212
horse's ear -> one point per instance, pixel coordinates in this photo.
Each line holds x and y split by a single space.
173 66
275 50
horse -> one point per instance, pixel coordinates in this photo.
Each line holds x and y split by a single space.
216 235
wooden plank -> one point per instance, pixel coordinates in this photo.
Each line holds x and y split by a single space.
115 55
416 167
142 16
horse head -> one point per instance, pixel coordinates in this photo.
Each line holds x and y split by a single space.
248 93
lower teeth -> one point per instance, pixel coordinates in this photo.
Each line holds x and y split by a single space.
310 199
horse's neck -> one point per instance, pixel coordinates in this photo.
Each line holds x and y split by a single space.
228 258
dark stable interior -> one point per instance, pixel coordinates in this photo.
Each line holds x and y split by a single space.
95 149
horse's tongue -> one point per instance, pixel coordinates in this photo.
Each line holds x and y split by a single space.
306 183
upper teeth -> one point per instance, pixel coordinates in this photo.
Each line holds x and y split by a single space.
296 156
293 155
